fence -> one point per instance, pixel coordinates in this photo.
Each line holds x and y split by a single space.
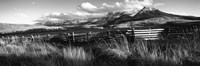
146 34
80 37
181 32
165 33
135 33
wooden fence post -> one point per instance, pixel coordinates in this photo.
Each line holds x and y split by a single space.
198 31
169 31
133 34
68 37
108 34
88 36
32 38
2 37
149 32
73 38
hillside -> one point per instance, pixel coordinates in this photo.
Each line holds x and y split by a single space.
6 28
147 16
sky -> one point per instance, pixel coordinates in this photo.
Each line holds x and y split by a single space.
32 11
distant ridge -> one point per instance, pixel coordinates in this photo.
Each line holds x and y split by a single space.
7 28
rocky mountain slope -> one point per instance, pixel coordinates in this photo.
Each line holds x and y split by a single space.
146 16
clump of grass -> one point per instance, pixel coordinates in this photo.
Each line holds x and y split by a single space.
117 47
76 56
154 52
76 53
174 52
32 48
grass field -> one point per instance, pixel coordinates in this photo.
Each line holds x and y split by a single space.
8 28
116 51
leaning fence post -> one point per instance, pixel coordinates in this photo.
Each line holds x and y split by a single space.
32 38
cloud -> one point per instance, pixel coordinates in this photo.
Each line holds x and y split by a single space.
85 15
21 15
33 3
88 10
56 15
17 9
179 13
60 17
53 17
159 4
118 6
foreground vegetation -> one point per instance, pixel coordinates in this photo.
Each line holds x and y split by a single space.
116 51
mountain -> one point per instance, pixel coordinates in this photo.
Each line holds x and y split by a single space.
148 16
143 17
148 12
106 20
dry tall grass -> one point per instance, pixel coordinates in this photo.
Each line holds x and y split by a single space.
24 51
15 49
117 47
154 52
175 51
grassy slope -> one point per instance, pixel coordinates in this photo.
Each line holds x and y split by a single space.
6 28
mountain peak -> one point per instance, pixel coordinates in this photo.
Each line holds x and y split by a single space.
148 9
148 12
131 13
